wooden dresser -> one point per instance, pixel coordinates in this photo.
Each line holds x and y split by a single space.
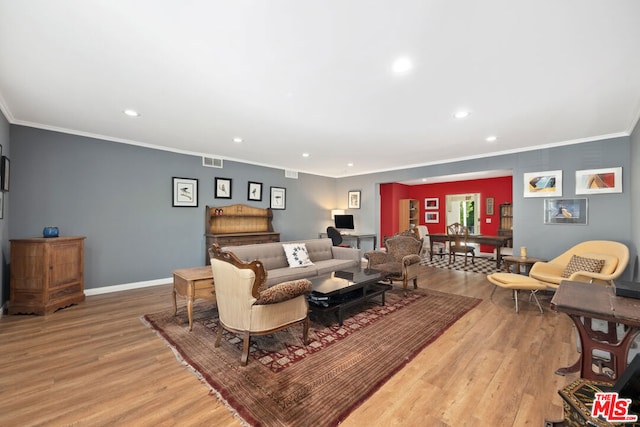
46 274
237 225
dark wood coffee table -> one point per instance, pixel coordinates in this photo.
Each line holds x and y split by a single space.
342 289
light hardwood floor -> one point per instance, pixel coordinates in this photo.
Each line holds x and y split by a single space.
96 364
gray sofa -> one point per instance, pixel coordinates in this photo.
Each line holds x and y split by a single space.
325 257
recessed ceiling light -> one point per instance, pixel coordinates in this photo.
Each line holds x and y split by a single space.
462 114
350 164
131 113
305 154
237 140
402 65
491 138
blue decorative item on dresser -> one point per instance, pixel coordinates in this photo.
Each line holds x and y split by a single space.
50 232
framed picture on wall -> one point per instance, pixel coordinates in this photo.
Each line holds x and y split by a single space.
598 181
354 200
278 198
489 206
543 184
255 191
4 169
185 192
431 203
431 217
565 211
223 188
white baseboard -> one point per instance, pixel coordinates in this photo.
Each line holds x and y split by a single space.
127 286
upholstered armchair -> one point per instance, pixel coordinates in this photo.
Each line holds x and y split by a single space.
247 307
401 259
594 261
458 235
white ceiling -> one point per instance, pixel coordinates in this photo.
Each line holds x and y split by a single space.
295 76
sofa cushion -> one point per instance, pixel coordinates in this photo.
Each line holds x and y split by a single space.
284 291
319 249
285 274
271 254
578 263
297 255
330 265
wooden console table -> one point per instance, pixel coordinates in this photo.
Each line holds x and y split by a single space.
192 283
237 225
586 301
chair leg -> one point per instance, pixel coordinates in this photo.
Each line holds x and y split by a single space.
473 257
465 259
245 349
515 297
218 335
533 294
415 283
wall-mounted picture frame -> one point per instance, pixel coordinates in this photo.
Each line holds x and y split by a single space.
431 217
431 203
599 181
565 211
222 188
278 198
185 192
254 191
489 206
543 184
5 171
353 199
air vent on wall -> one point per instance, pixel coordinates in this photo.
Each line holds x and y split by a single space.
291 174
212 162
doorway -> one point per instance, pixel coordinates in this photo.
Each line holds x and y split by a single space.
464 208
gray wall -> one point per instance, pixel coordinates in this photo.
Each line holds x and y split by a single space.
4 222
609 214
635 199
119 197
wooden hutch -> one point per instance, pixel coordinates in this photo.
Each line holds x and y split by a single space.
237 225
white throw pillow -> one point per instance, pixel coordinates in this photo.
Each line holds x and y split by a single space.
297 255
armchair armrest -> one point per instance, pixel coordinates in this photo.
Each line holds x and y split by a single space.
376 257
586 276
284 291
410 259
346 253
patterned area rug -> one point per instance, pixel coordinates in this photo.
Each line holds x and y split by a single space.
481 265
286 383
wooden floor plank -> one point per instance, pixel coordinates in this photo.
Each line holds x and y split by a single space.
96 364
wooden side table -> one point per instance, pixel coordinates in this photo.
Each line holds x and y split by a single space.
193 283
518 262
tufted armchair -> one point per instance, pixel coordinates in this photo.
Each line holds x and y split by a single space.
598 261
401 260
247 307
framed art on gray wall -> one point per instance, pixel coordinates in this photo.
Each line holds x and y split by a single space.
4 169
278 198
543 184
185 192
354 200
598 181
223 188
255 191
565 211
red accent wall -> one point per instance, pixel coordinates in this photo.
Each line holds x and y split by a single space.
501 189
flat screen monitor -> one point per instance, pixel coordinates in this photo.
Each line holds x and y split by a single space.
344 222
